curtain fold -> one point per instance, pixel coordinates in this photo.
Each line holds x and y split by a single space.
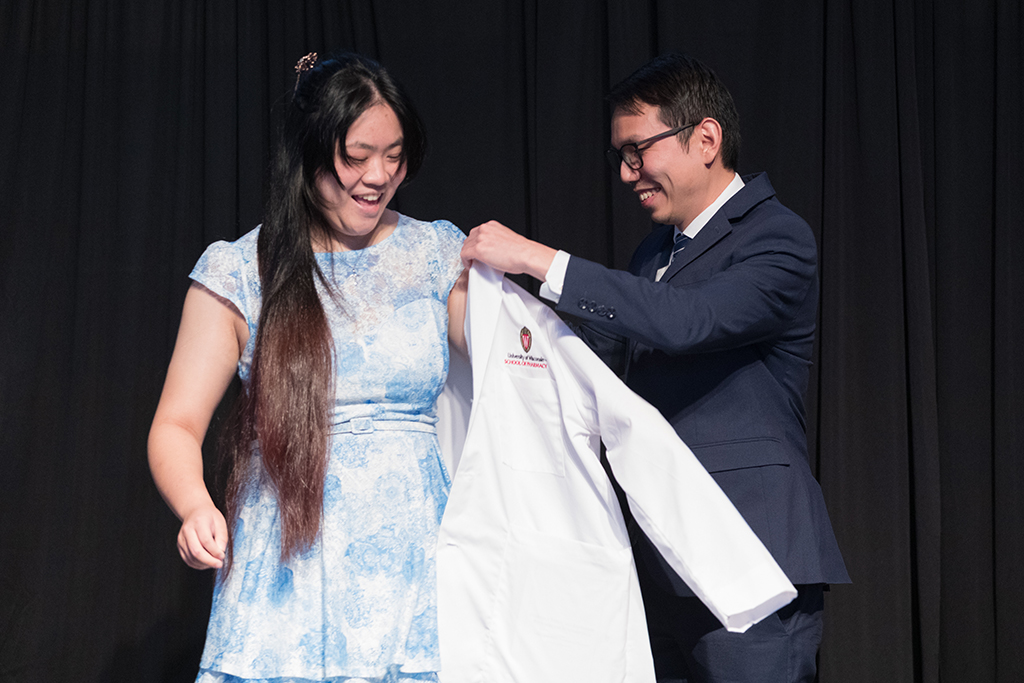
1008 330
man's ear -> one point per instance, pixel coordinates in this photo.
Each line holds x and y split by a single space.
708 136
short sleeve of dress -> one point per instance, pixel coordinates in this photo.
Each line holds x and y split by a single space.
450 240
227 269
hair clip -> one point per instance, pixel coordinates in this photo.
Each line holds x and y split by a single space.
304 64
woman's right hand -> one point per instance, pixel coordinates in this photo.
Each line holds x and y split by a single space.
210 340
203 537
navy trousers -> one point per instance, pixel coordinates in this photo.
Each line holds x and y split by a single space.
691 646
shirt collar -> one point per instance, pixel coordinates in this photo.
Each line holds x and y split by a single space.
704 216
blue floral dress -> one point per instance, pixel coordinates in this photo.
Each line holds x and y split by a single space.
361 603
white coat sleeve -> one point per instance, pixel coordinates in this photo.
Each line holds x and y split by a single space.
680 507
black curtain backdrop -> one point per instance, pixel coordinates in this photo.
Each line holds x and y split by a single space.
134 133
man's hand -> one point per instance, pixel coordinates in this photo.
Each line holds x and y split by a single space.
506 250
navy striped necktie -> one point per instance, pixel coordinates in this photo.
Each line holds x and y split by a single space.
680 241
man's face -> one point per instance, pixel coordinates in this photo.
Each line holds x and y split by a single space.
671 183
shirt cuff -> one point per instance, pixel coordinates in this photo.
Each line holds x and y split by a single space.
551 289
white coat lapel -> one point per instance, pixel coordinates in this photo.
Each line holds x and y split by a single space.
482 308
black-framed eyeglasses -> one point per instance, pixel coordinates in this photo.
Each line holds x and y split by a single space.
629 153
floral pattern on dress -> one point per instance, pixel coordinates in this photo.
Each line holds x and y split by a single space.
361 603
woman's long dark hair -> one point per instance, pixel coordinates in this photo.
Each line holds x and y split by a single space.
286 407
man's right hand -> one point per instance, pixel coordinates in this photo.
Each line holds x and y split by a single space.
506 250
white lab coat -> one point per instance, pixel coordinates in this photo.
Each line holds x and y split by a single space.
535 574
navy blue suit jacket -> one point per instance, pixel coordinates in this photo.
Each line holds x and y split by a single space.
721 345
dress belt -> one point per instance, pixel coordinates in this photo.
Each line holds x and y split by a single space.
367 425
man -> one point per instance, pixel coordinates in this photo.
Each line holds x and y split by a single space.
714 325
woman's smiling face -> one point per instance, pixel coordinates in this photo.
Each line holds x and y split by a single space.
369 178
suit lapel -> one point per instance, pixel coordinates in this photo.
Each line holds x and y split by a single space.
756 189
661 255
717 228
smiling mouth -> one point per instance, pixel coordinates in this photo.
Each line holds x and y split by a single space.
645 195
370 199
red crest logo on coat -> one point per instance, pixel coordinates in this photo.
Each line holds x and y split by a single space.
526 339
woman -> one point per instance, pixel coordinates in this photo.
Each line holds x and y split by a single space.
336 314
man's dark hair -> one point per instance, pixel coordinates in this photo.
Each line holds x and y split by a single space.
686 91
